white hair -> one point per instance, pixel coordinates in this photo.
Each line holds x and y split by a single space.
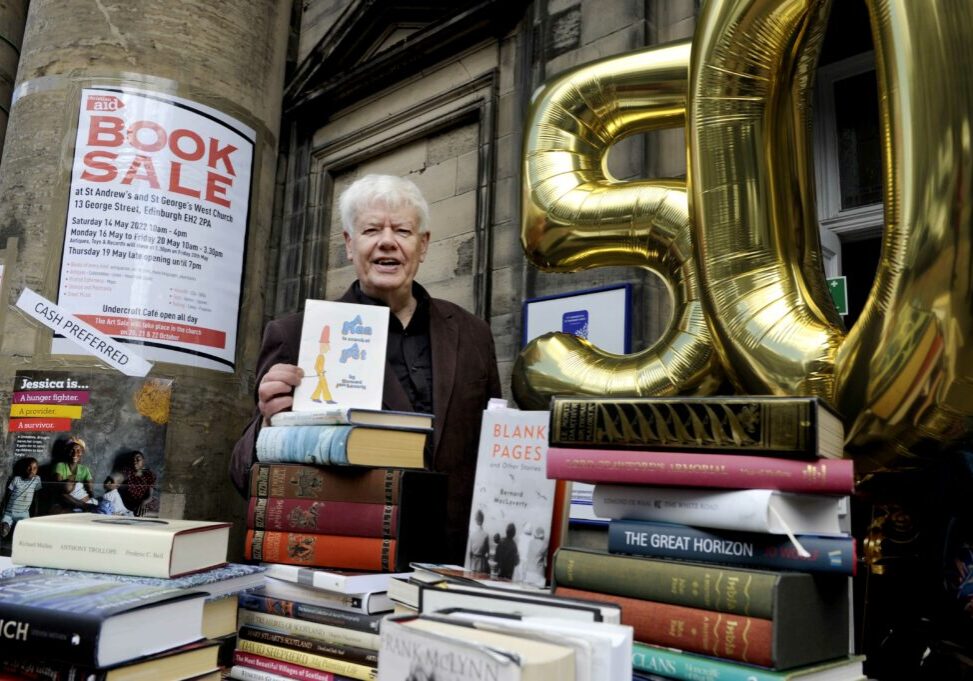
389 191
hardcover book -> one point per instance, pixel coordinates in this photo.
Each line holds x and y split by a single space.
418 647
147 547
688 469
750 510
513 512
752 549
364 485
325 611
603 651
778 644
367 602
250 667
306 659
185 662
419 534
331 633
683 666
799 427
342 353
89 621
220 585
348 653
323 517
342 446
354 416
816 601
332 580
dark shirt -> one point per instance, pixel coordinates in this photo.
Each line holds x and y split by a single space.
409 352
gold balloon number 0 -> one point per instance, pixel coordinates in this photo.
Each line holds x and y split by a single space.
737 244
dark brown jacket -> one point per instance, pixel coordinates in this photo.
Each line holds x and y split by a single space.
464 376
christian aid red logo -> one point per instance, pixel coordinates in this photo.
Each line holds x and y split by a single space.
104 103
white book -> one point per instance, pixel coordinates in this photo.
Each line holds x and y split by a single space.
332 580
369 602
242 673
513 499
342 353
750 510
419 648
603 652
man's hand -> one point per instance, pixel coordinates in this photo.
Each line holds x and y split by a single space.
276 390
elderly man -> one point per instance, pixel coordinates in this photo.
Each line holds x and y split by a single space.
440 358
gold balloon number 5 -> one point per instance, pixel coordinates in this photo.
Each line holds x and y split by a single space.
738 245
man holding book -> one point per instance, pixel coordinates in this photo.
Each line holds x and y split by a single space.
440 359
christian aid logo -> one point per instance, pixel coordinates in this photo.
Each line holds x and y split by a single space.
104 103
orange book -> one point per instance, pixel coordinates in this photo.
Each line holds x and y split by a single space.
735 637
322 550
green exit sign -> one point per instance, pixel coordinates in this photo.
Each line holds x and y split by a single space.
839 293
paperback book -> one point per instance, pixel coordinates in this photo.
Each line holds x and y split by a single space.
342 353
513 513
84 620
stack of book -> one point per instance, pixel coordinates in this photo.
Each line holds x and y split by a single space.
169 591
728 548
345 489
308 623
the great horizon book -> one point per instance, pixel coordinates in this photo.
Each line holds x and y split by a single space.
342 353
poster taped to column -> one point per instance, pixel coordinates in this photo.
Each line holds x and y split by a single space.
157 224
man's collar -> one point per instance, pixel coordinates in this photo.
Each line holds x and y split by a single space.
418 292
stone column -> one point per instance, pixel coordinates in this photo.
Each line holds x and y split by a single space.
13 14
227 55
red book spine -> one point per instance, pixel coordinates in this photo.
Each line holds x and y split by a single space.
323 517
291 671
321 550
733 637
687 469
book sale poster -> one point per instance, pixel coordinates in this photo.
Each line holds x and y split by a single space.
120 424
156 225
513 499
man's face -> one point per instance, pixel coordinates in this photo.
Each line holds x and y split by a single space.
386 249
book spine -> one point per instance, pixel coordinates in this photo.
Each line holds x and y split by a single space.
277 667
785 427
685 469
322 632
735 637
42 634
323 517
319 662
709 587
312 613
39 670
321 550
354 654
744 510
665 540
290 481
88 547
674 664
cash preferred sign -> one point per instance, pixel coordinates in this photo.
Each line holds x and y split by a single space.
156 225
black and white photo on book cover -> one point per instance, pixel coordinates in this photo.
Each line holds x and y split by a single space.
83 442
513 500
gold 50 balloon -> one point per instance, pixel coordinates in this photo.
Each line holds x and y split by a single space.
737 244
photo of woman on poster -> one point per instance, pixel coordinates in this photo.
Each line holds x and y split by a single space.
77 491
138 485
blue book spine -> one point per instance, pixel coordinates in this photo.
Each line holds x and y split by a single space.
675 664
339 446
301 444
667 540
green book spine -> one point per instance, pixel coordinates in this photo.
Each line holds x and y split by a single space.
694 585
